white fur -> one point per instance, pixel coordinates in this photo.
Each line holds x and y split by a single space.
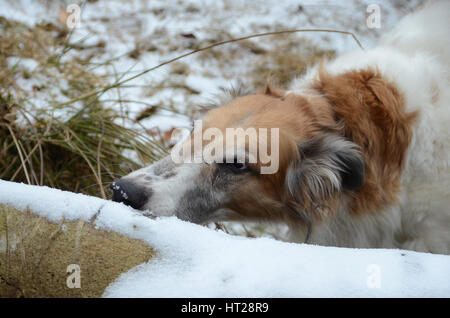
415 56
166 192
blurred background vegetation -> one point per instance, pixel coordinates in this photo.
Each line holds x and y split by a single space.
78 146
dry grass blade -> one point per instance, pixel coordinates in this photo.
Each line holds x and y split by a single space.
119 83
19 151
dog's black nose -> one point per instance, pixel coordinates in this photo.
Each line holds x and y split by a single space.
129 193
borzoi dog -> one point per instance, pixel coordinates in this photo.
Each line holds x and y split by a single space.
363 150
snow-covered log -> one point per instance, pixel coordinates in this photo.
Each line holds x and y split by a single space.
194 261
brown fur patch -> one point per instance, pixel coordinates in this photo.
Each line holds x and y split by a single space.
373 114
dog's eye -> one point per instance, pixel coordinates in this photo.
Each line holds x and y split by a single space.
236 167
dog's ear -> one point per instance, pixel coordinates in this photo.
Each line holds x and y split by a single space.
326 165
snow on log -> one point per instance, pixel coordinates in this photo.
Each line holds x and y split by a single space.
194 261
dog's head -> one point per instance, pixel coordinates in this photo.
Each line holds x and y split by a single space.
292 162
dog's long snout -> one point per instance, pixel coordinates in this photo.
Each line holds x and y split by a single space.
129 193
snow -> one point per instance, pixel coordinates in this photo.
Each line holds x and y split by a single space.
194 261
28 64
50 203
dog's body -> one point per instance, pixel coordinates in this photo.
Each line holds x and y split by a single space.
364 150
415 58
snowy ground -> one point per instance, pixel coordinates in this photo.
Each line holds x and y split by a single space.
193 261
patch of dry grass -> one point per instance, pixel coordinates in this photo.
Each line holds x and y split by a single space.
35 254
78 146
289 59
280 58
